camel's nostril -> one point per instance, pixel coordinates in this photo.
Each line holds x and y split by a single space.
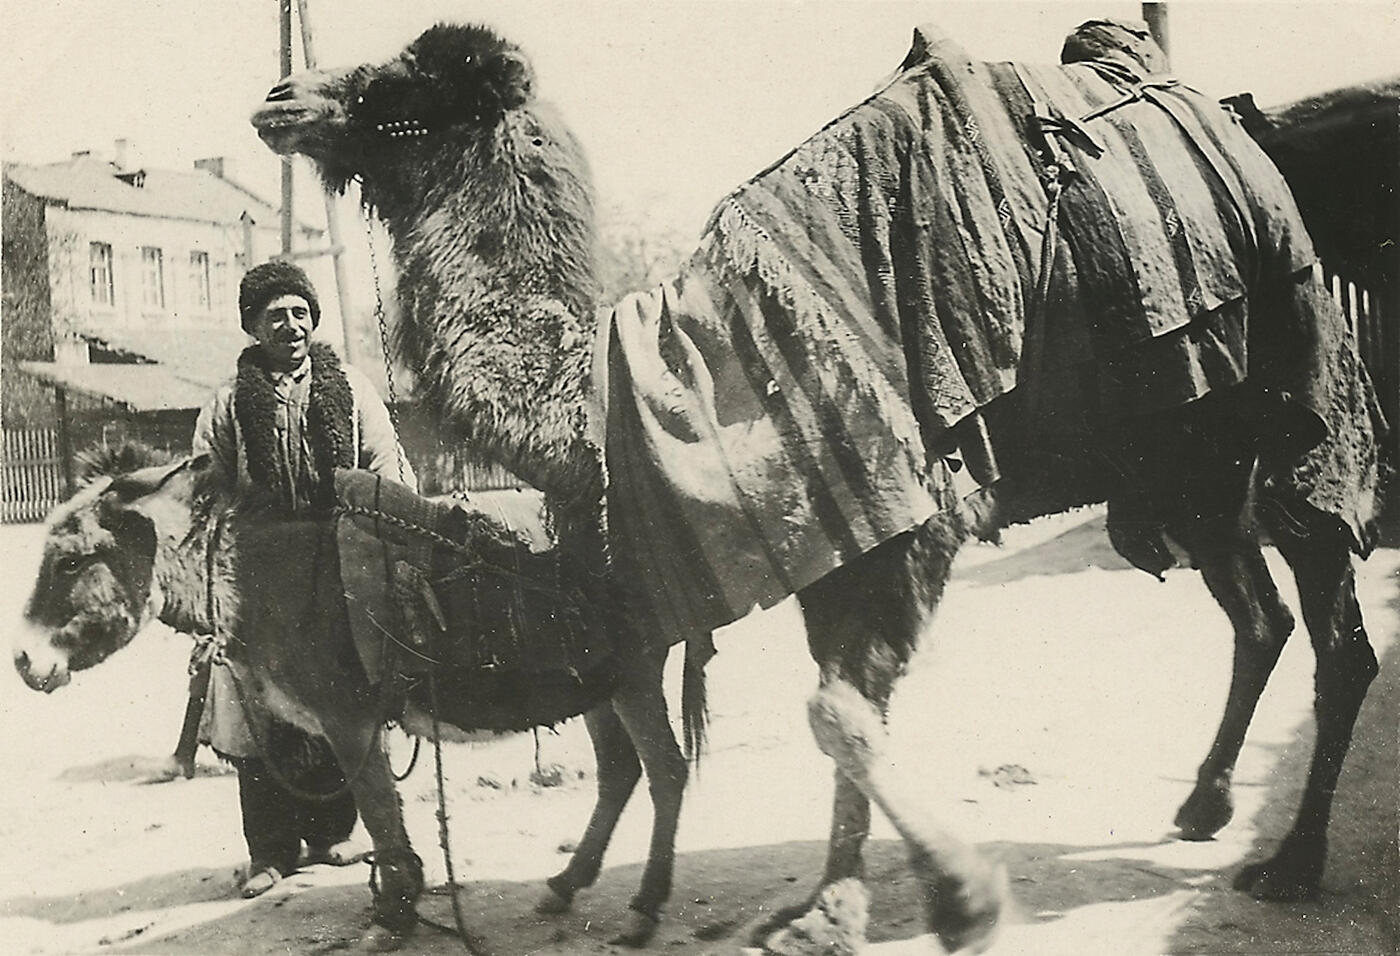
282 91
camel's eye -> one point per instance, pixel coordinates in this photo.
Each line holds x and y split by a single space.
69 565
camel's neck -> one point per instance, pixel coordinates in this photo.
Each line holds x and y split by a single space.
496 278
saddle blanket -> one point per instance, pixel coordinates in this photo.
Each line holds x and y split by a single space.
786 401
472 591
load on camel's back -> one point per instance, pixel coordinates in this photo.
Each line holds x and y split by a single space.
1083 282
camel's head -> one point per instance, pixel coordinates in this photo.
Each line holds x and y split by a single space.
96 584
369 119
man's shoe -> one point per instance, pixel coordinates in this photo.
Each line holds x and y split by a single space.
343 853
260 881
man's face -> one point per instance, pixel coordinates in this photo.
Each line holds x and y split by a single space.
283 329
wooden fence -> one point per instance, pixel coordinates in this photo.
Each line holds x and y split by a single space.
31 474
1377 332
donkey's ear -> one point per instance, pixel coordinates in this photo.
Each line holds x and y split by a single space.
138 484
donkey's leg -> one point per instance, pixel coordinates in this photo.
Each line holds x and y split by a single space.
618 771
640 704
1226 550
1320 557
396 876
864 621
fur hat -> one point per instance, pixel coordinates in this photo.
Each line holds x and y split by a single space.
261 284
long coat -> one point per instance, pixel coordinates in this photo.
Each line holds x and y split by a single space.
217 433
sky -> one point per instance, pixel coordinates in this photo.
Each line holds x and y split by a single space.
675 101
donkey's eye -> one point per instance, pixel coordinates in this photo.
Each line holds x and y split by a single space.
69 566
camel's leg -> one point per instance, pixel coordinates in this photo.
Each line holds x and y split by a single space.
618 771
850 826
641 706
1226 550
1320 558
397 872
864 622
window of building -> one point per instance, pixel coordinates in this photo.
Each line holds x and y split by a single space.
152 278
100 272
199 280
221 291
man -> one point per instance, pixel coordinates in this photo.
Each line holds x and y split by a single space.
287 420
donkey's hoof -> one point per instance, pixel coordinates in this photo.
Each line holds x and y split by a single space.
637 930
382 939
552 903
834 926
1206 811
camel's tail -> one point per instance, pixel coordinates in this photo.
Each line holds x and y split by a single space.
695 713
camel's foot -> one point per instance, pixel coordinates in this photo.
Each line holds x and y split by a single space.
964 912
1207 810
833 926
637 930
551 902
1292 874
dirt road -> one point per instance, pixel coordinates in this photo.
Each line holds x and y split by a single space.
1056 719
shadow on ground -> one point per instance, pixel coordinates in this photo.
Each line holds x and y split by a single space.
164 891
721 896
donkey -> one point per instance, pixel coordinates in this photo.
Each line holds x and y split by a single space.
268 592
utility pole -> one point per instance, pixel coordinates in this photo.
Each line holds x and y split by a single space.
288 216
337 250
1156 16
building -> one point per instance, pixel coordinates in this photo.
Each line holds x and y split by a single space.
120 299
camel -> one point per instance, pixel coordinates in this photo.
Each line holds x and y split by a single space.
487 197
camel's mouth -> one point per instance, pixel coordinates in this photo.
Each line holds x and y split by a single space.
284 127
297 117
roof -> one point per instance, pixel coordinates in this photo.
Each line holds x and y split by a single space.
142 388
170 369
86 182
204 356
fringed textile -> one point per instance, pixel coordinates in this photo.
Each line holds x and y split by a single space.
781 406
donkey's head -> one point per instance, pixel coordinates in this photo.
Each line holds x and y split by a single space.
97 586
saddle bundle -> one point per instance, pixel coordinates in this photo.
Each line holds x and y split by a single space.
474 595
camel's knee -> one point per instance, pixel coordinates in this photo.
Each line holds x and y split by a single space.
847 728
